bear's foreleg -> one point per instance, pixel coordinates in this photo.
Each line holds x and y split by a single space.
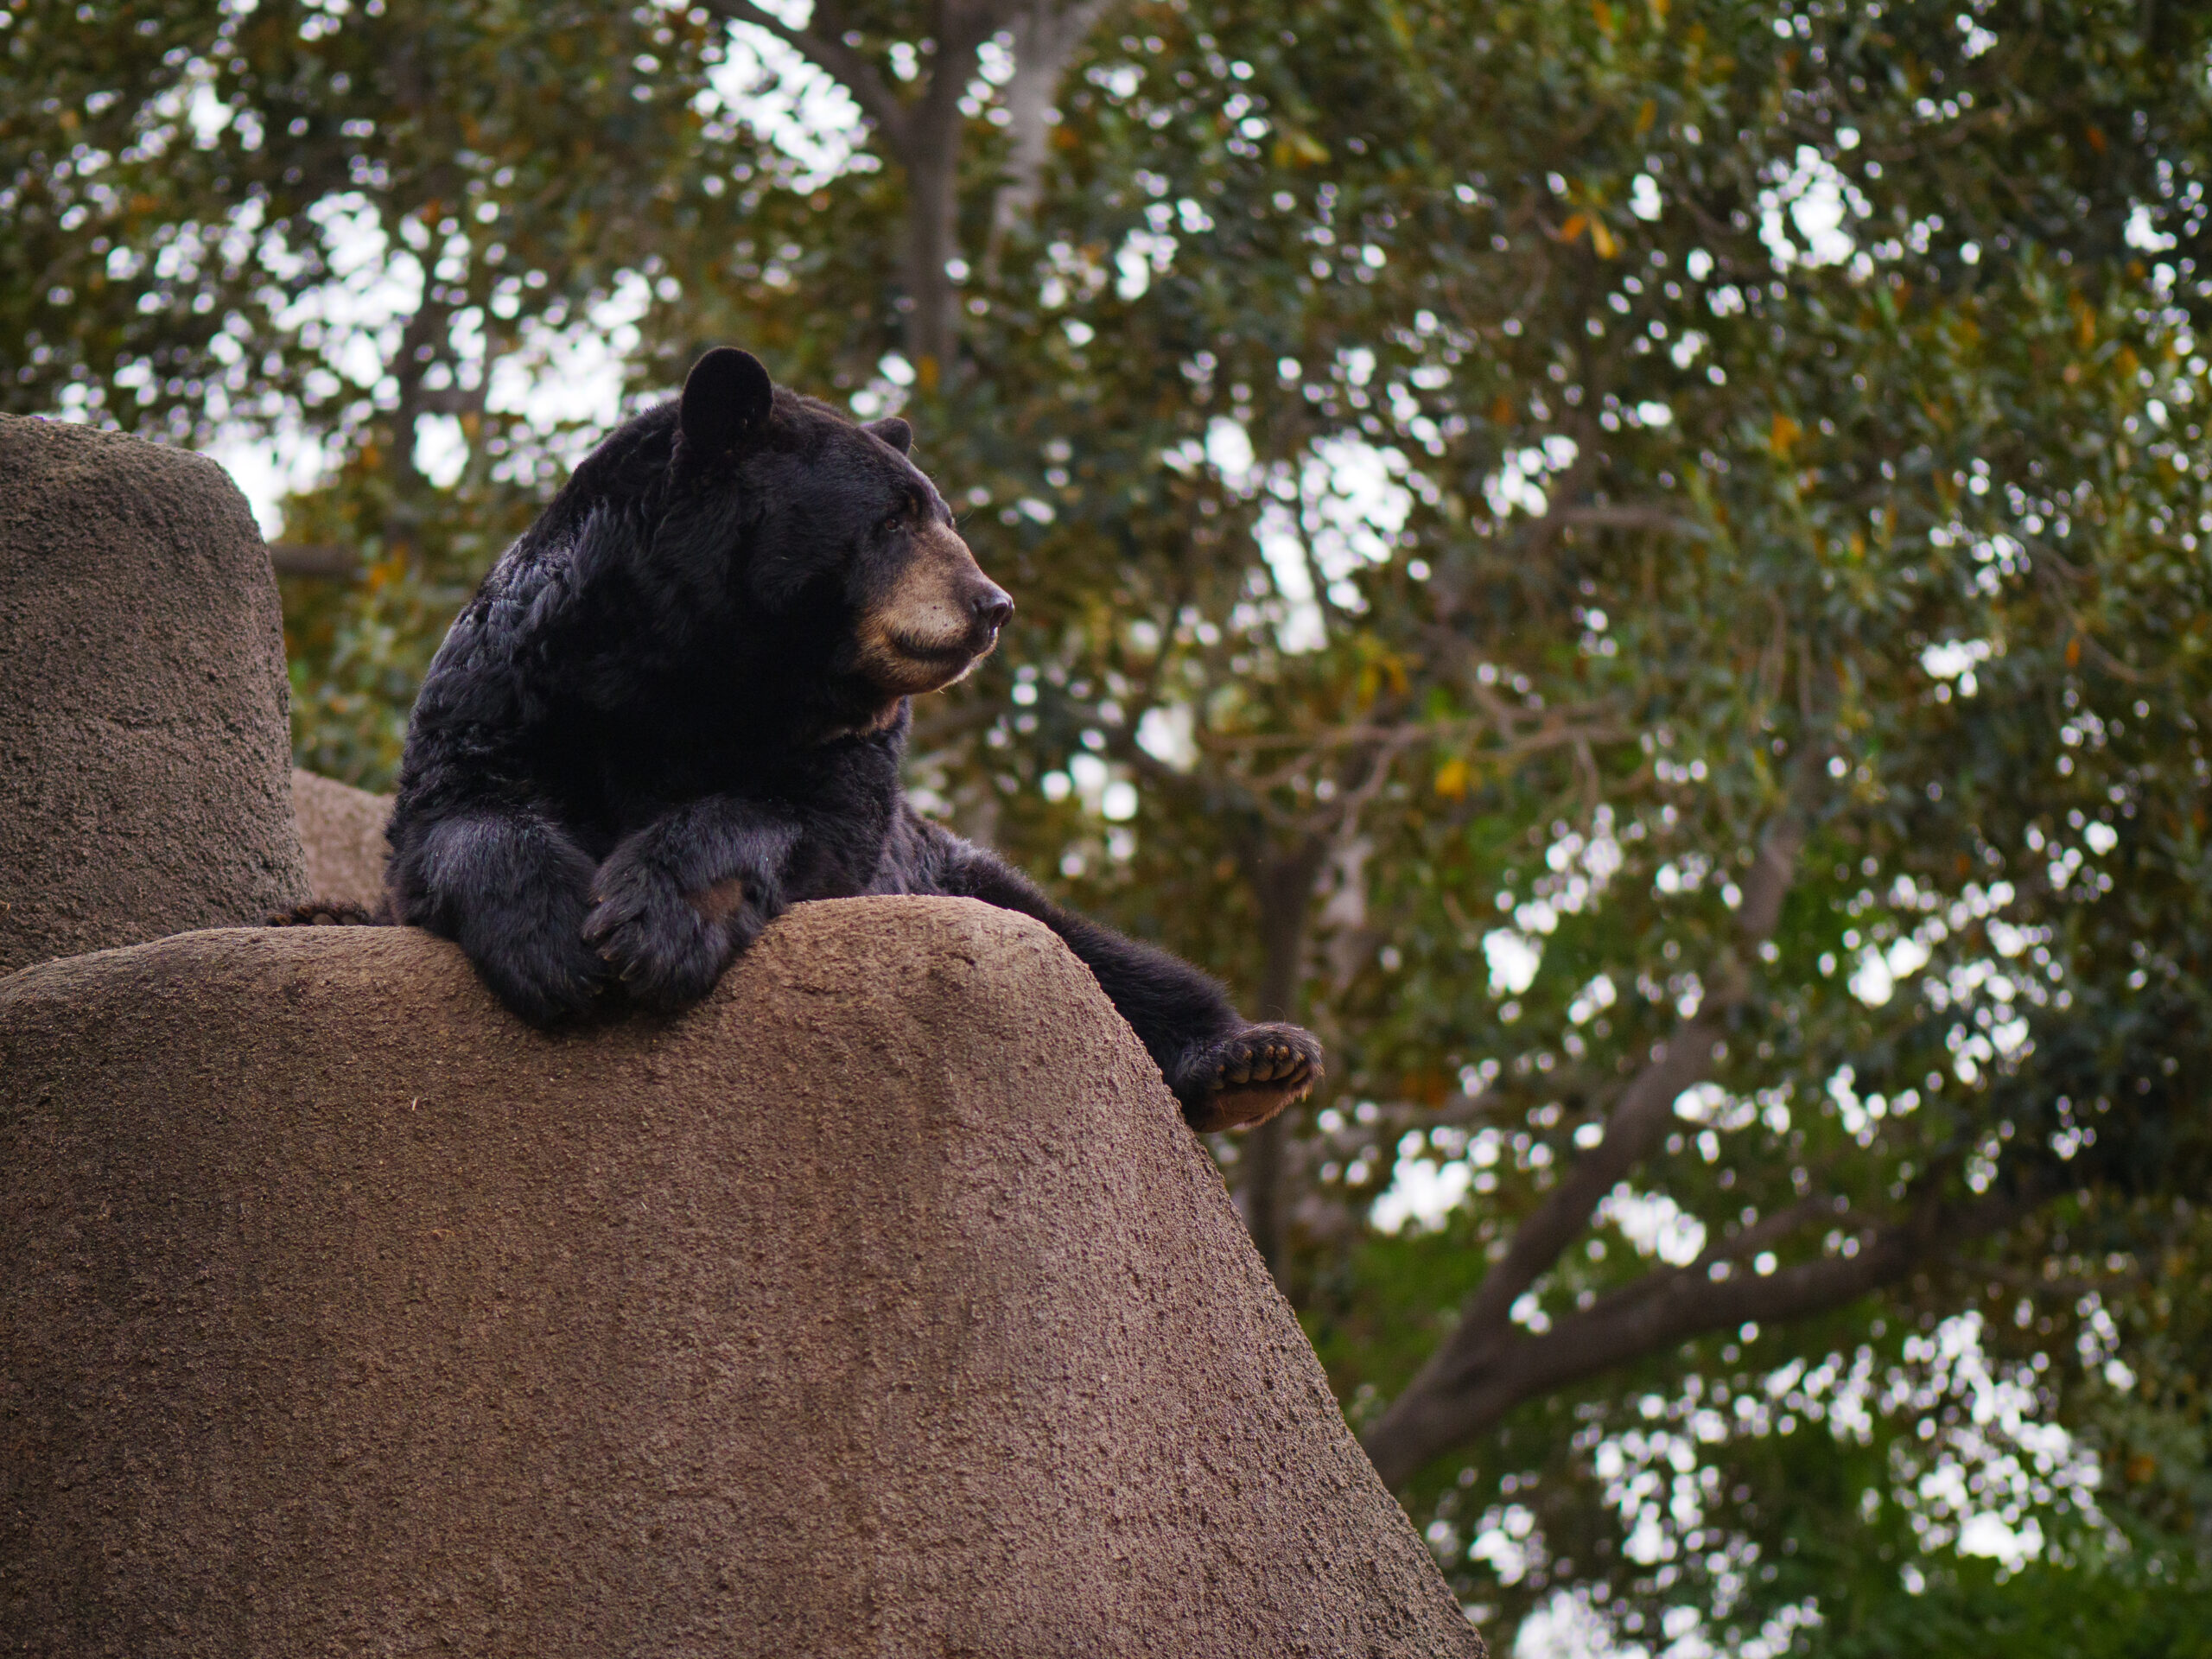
677 901
1226 1072
509 888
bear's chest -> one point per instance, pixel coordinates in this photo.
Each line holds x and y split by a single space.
842 797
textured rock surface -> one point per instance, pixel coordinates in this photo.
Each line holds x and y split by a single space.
880 1306
341 831
144 754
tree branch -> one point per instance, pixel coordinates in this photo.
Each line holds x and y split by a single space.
1657 1311
1046 37
829 53
451 400
1609 517
1637 1124
1552 733
1462 1371
325 561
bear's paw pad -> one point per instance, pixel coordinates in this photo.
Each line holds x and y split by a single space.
1248 1078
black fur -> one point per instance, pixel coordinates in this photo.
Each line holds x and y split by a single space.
659 724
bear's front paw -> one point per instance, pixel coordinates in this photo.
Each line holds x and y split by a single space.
544 974
666 947
1248 1078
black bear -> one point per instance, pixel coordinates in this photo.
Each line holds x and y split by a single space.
678 704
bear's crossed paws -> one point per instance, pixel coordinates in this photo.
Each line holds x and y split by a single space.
666 947
1248 1078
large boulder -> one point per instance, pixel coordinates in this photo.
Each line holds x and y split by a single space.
880 1306
144 753
341 831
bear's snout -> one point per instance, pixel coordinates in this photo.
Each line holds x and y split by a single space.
941 616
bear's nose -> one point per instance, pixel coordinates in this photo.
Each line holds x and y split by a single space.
992 607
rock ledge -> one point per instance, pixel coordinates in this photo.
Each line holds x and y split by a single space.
880 1306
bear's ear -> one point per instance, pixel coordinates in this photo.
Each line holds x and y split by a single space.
893 431
727 395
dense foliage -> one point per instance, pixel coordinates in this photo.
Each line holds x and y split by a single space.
1637 565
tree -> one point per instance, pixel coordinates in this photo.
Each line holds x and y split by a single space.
1752 625
926 134
1636 565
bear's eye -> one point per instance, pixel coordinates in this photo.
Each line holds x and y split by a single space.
901 516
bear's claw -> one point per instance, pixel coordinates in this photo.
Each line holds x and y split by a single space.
545 980
660 950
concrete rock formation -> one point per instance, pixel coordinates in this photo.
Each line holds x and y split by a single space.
143 743
880 1306
341 831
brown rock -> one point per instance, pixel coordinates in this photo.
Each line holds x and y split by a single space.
143 743
881 1305
341 831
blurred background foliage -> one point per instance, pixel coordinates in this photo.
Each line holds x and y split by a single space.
1639 565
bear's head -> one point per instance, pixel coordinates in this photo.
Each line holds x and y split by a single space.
848 544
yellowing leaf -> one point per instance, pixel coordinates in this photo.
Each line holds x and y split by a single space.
1576 224
1300 150
1501 410
1430 1088
1452 778
1783 433
1602 240
1649 112
1604 14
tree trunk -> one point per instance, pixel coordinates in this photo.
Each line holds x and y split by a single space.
1284 888
923 136
932 298
1046 39
425 331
